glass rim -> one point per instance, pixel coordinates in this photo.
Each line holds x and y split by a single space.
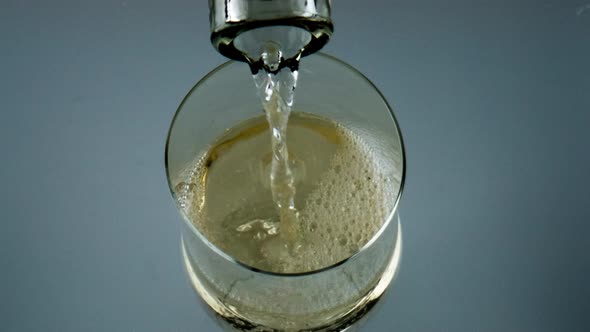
231 259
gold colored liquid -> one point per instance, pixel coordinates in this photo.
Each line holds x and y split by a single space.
342 198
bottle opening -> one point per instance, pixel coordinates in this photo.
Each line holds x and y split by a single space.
272 47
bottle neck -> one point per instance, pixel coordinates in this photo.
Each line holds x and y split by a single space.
232 19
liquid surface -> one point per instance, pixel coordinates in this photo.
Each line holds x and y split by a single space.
342 197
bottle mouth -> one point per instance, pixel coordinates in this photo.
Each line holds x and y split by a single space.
273 47
244 40
288 40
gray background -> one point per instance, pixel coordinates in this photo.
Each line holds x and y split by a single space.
493 98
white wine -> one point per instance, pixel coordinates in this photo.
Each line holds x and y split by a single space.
276 89
342 197
281 207
347 171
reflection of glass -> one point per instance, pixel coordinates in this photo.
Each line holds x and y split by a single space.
327 299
